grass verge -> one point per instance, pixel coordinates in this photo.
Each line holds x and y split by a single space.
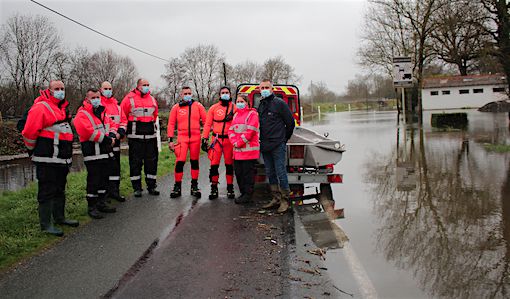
498 148
20 235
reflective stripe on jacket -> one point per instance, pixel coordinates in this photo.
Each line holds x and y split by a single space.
47 130
244 134
93 132
215 119
141 113
186 119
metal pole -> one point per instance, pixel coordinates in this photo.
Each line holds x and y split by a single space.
302 116
335 107
225 74
319 111
404 104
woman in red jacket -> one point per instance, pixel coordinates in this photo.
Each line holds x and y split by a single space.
244 136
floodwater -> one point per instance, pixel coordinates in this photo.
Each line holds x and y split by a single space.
18 173
427 212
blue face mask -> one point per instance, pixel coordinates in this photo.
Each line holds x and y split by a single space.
107 93
241 105
96 102
145 89
188 98
225 97
265 93
59 94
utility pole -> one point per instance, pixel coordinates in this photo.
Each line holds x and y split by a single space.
311 94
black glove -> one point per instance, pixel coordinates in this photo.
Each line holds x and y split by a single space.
107 143
122 132
205 144
30 153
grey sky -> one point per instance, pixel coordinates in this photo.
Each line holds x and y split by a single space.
318 38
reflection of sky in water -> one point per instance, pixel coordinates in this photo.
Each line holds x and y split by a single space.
448 235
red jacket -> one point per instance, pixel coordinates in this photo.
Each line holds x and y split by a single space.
141 112
244 134
48 118
187 118
113 111
217 120
94 127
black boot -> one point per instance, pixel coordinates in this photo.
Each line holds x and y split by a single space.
177 191
214 192
153 191
45 219
230 191
194 189
243 199
114 193
92 209
59 213
103 207
138 193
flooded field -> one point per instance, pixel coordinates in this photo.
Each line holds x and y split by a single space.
427 212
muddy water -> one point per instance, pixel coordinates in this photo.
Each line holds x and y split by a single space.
18 173
427 212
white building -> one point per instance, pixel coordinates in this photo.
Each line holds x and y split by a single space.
457 92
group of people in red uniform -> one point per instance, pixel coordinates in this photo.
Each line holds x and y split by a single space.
230 130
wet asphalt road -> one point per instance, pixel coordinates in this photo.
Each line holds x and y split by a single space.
90 261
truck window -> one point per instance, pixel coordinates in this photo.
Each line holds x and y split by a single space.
291 102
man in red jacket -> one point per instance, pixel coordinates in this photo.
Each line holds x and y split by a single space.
186 116
48 136
141 110
97 136
219 118
113 111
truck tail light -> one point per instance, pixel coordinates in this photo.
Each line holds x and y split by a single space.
335 178
297 151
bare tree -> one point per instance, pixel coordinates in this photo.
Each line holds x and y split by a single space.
120 71
460 36
247 72
175 77
203 65
278 71
27 53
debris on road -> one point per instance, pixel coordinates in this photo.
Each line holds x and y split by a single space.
318 251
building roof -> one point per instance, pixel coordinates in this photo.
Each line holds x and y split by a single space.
460 81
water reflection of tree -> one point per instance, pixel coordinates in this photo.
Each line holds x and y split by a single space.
453 230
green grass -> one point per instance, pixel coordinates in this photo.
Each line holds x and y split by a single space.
498 148
20 235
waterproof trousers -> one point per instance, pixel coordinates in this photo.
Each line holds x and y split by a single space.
221 146
114 177
143 152
245 175
97 180
183 145
275 163
51 180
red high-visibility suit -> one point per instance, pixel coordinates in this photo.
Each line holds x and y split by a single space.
141 112
113 111
48 136
187 119
219 118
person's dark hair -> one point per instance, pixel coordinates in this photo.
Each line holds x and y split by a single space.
138 81
224 87
185 87
92 89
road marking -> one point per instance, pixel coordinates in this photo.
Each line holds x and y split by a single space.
365 285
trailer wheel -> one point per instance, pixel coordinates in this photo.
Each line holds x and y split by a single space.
326 192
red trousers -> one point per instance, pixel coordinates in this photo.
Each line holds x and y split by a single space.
183 145
221 146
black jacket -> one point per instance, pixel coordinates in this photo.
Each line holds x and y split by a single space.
276 123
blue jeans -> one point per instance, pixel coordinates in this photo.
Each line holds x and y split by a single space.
275 163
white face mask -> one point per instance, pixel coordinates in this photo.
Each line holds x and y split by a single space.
96 102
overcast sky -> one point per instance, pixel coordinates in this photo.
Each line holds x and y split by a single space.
318 38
